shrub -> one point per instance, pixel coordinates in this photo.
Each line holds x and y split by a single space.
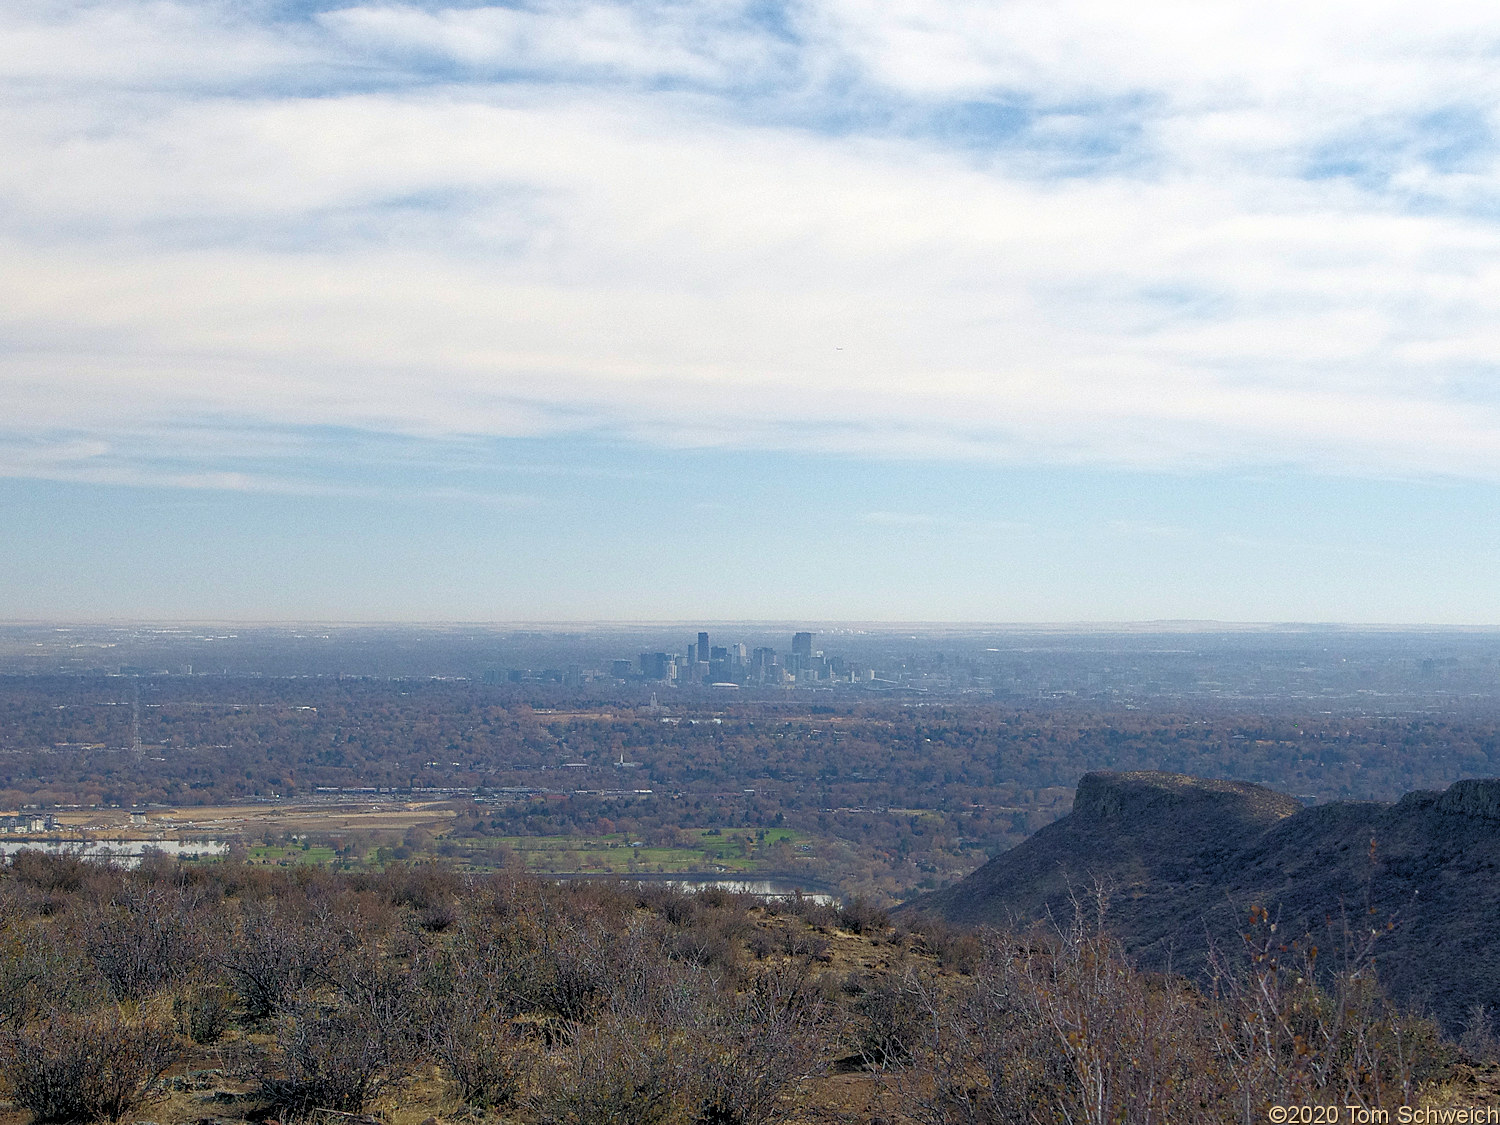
51 873
40 974
279 950
203 1012
336 1058
145 937
468 1029
1478 1040
1296 1024
890 1018
861 916
757 1048
430 890
1060 1028
481 1052
71 1069
622 1072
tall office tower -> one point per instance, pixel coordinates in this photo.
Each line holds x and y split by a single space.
703 656
802 644
720 669
655 665
692 654
763 668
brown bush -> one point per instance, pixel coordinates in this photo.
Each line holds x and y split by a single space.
480 1048
337 1057
39 974
429 890
77 1069
145 937
890 1018
625 1070
281 948
203 1011
1478 1040
757 1048
861 916
51 873
1061 1026
1299 1020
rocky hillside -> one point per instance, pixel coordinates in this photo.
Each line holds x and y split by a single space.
1181 860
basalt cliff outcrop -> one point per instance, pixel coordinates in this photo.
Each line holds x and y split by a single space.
1178 861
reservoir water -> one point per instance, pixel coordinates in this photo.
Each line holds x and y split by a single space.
126 853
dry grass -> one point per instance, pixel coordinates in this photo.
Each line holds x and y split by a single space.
708 1008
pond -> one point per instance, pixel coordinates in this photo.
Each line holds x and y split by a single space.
760 888
124 853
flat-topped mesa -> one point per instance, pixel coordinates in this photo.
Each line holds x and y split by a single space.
1473 797
1108 796
1477 797
1182 859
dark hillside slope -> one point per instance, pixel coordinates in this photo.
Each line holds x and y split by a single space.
1150 838
1184 858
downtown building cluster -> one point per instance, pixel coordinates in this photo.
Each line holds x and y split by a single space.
738 665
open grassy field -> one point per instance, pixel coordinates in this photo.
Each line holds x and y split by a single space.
372 833
738 851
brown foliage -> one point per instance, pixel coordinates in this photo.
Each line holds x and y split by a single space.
1062 1027
81 1069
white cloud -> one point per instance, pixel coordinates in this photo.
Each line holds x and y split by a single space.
432 252
636 41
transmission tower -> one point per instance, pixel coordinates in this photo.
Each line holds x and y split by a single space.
135 718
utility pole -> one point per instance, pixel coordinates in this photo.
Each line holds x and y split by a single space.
135 718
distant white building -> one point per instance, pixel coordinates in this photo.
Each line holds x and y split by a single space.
28 822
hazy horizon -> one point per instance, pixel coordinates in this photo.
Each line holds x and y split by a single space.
1184 626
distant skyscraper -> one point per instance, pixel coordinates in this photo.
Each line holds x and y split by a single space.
702 646
656 665
802 644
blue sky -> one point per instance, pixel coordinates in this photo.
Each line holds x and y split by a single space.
1002 311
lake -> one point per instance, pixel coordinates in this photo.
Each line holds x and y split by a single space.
125 853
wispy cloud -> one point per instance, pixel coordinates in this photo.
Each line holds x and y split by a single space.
1164 235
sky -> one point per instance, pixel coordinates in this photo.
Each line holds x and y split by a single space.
998 311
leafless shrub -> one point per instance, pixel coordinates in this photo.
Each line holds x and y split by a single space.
711 942
480 1048
1478 1039
955 948
144 938
802 941
861 916
1059 1026
890 1018
438 917
819 915
429 890
1058 1029
758 1047
203 1011
65 873
676 906
333 1056
39 974
624 1070
571 960
76 1069
1295 1026
280 949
